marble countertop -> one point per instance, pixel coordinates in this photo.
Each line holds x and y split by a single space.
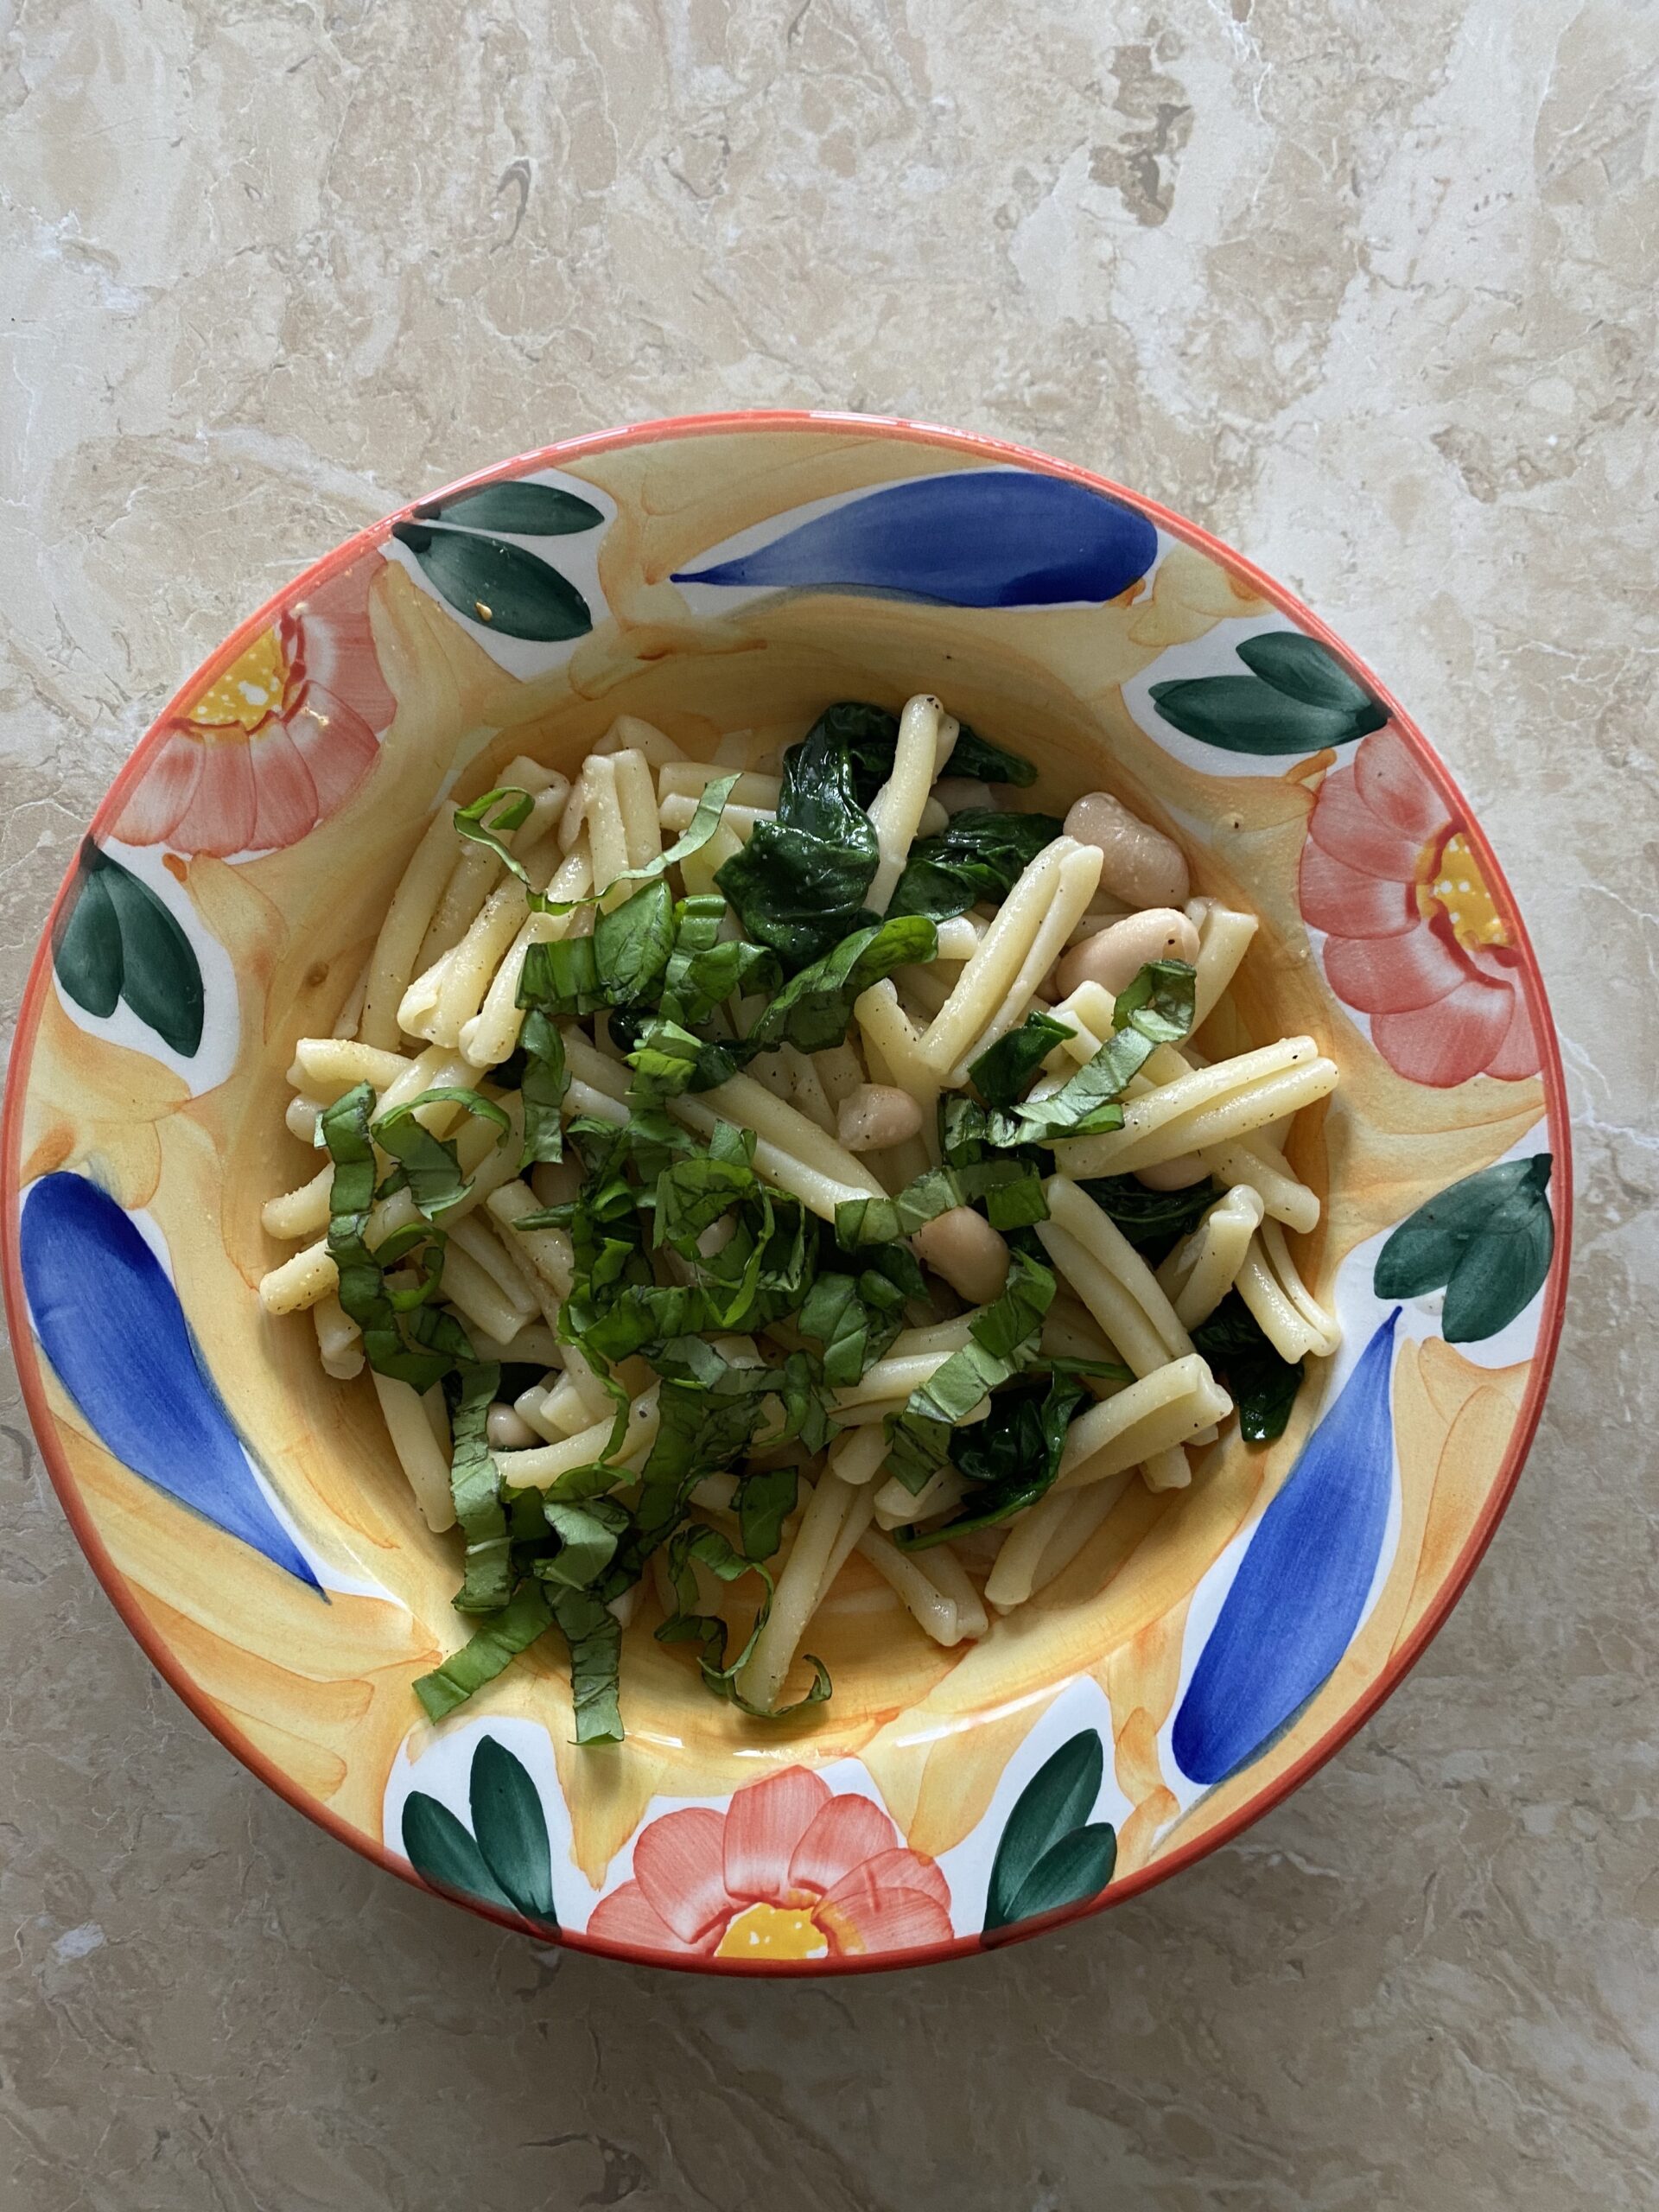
1369 290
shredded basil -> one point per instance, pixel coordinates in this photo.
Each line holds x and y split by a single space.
543 1084
1012 1192
488 820
707 1631
766 1498
856 1317
814 1008
430 1167
561 978
704 969
595 1638
404 1335
498 813
632 944
1002 1075
1002 1340
587 1531
494 1643
1156 1010
475 1486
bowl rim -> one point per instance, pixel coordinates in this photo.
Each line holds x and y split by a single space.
664 431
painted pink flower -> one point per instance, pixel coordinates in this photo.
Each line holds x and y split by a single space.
278 740
788 1871
1414 938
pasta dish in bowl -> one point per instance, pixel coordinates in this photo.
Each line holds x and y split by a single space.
825 1167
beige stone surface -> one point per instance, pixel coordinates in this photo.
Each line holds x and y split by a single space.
1368 288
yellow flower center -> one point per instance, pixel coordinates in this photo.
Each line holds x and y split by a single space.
773 1931
251 689
1449 877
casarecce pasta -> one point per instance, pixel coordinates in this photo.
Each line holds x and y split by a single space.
740 1175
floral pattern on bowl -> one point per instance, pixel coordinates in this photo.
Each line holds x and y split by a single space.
1209 1647
277 741
1414 938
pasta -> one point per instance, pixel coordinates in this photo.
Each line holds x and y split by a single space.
704 1223
1198 1274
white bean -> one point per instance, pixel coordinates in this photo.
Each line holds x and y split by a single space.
963 1248
1139 864
1115 955
877 1115
507 1431
1178 1174
960 794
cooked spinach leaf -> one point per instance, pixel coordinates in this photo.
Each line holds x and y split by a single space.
798 885
1013 1456
974 755
1154 1221
1263 1384
868 735
798 893
814 1010
979 856
822 792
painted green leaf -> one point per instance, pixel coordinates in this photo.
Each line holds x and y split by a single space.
1054 1803
86 947
441 1853
115 940
1298 698
1488 1241
1078 1868
1303 669
531 510
510 1830
1240 713
161 980
501 586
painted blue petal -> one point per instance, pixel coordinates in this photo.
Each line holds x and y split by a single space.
110 1322
1296 1600
985 537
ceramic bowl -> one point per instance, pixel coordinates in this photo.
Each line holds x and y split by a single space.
1212 1646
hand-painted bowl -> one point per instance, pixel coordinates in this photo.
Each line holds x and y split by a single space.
1212 1646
